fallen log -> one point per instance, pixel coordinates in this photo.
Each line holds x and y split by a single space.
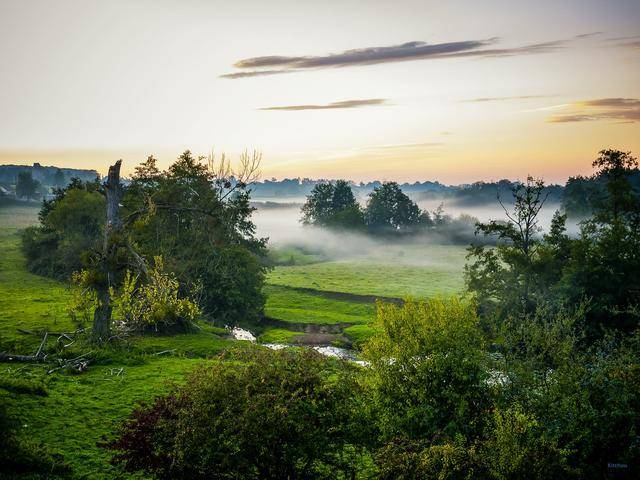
9 357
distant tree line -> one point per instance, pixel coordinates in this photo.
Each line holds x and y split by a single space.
477 193
388 209
46 175
388 212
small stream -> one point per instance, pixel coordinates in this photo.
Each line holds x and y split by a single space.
326 350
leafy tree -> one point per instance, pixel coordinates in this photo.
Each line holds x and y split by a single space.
446 408
59 178
319 205
504 278
583 399
601 266
195 215
264 415
583 196
70 226
26 186
605 261
199 220
390 210
334 206
410 390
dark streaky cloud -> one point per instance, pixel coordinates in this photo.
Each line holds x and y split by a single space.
274 64
626 110
365 56
631 42
254 73
334 105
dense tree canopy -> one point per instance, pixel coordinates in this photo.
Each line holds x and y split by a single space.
600 267
194 217
200 223
26 186
70 226
390 210
333 205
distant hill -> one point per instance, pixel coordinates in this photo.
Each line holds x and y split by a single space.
300 187
478 193
46 175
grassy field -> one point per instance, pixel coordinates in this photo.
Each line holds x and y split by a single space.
295 306
78 410
396 271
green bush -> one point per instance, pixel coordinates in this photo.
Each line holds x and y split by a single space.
268 415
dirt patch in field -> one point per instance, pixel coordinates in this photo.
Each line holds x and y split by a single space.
317 339
307 327
351 297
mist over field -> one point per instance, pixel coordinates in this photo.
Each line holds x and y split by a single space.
282 226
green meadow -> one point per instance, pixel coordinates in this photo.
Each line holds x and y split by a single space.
71 413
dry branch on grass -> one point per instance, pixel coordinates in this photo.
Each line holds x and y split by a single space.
80 363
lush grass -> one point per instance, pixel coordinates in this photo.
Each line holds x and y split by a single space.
80 409
293 256
300 307
70 414
16 217
397 271
277 335
359 334
27 301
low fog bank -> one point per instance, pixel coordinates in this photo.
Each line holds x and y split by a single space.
284 230
280 222
485 213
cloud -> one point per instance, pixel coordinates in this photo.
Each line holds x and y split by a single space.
334 105
587 35
254 73
502 99
633 45
630 42
275 64
626 110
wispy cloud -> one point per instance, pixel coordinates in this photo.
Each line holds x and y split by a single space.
502 99
631 42
256 73
369 102
587 35
275 64
625 110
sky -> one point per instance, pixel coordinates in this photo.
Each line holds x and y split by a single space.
454 91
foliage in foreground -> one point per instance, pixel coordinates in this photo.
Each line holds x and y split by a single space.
261 414
546 407
437 402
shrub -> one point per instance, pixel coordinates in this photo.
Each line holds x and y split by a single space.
153 304
264 414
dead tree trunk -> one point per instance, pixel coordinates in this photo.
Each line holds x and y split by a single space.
102 314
